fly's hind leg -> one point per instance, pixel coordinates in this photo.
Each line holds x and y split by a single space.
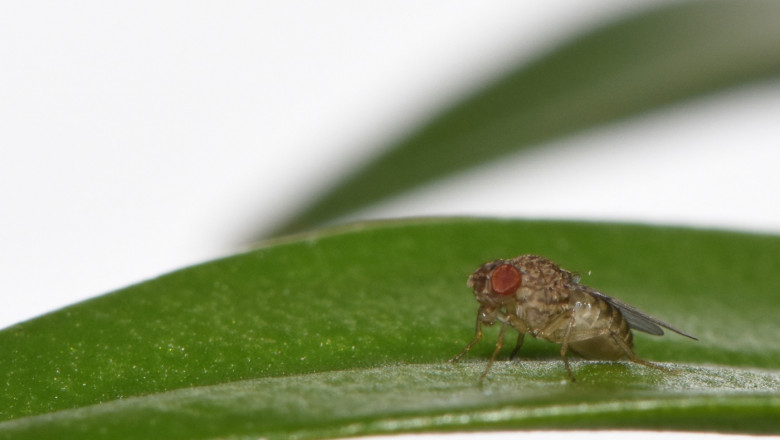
632 357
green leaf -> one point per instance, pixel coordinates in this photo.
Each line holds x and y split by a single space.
346 331
637 64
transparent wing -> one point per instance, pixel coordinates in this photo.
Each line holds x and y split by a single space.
636 318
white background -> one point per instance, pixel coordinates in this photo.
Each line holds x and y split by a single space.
140 137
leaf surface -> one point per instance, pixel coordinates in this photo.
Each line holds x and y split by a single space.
345 331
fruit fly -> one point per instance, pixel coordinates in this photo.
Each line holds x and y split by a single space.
532 295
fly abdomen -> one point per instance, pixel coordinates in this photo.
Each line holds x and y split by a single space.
594 337
620 327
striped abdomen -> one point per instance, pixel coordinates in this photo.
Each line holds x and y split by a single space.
596 326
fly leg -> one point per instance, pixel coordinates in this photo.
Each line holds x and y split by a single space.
556 332
489 317
477 337
631 356
499 344
551 332
565 347
519 344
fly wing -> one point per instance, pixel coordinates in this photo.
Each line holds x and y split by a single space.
636 318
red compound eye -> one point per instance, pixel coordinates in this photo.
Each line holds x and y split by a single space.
505 279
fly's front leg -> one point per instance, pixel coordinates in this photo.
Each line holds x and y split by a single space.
477 337
489 317
518 324
519 344
499 344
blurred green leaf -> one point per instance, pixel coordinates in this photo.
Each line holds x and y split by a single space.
634 65
346 331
